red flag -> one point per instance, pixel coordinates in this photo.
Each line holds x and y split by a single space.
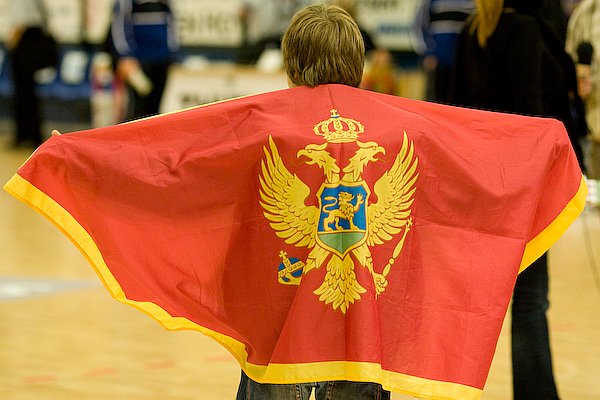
319 234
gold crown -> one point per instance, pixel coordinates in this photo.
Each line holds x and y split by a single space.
338 129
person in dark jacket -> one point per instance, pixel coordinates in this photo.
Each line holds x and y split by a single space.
27 20
521 67
508 59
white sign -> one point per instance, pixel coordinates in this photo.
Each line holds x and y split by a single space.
4 18
98 16
208 22
216 23
187 88
391 23
65 19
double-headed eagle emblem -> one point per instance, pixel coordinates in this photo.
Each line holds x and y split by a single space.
345 226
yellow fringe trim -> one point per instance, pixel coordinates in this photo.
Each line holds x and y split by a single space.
546 238
272 373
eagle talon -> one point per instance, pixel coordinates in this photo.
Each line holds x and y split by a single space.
381 283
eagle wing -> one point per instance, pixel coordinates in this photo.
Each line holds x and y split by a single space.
394 190
283 196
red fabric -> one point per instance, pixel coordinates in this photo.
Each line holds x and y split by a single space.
173 204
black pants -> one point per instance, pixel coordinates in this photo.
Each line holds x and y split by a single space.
26 103
533 378
145 106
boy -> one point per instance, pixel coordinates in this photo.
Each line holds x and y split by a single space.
322 45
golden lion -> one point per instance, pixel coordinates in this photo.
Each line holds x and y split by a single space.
345 210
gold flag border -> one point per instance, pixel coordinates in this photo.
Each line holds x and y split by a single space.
547 237
26 192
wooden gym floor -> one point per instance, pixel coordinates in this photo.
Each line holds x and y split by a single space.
63 337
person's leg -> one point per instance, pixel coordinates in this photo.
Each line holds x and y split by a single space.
251 390
532 361
345 390
443 77
26 107
593 165
157 73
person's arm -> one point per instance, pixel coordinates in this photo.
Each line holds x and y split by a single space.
172 36
121 29
127 66
14 37
123 38
580 49
585 53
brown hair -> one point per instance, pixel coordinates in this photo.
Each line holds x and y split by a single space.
486 19
323 45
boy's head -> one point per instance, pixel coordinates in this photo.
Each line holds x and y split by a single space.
323 45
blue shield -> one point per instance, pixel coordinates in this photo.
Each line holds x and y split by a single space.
343 216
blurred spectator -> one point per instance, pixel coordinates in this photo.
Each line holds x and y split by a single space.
568 108
144 42
555 17
380 72
350 7
263 24
508 59
29 48
583 43
441 22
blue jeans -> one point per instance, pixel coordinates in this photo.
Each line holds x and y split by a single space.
330 390
532 361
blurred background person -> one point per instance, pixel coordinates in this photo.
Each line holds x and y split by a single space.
508 59
263 24
441 22
569 107
30 49
350 7
555 18
144 42
583 44
380 71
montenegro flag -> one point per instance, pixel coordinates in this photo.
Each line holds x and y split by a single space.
324 233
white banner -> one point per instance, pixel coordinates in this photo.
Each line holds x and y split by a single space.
208 22
65 19
187 88
98 17
391 23
4 18
216 23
